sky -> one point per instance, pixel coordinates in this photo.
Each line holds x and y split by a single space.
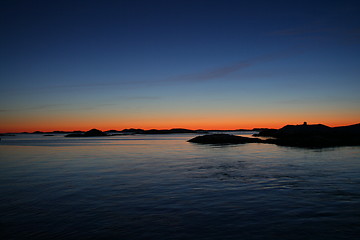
197 64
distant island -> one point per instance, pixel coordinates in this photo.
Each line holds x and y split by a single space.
133 131
307 136
90 133
130 131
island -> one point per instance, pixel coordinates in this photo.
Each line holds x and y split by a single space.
304 135
223 139
131 131
90 133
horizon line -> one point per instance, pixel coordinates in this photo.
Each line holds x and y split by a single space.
147 129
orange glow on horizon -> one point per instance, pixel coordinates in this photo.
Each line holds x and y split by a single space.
214 124
161 119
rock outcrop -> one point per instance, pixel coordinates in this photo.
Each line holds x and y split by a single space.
305 136
90 133
223 139
313 136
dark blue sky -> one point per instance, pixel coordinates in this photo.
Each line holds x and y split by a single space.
238 63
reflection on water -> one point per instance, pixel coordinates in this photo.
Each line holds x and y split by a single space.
161 187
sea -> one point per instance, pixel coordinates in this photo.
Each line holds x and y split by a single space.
163 187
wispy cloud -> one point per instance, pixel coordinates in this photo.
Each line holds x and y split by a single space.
210 74
224 71
201 76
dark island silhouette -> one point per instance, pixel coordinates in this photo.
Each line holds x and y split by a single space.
90 133
223 139
304 135
317 135
131 131
307 136
128 131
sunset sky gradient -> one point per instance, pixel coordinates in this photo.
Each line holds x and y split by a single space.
210 64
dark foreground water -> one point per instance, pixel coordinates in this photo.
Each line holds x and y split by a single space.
161 187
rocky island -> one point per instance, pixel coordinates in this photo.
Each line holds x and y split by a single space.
307 136
223 139
90 133
131 131
314 136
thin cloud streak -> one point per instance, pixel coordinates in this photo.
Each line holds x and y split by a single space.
208 75
227 70
212 74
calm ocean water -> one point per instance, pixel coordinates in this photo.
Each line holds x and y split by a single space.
162 187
